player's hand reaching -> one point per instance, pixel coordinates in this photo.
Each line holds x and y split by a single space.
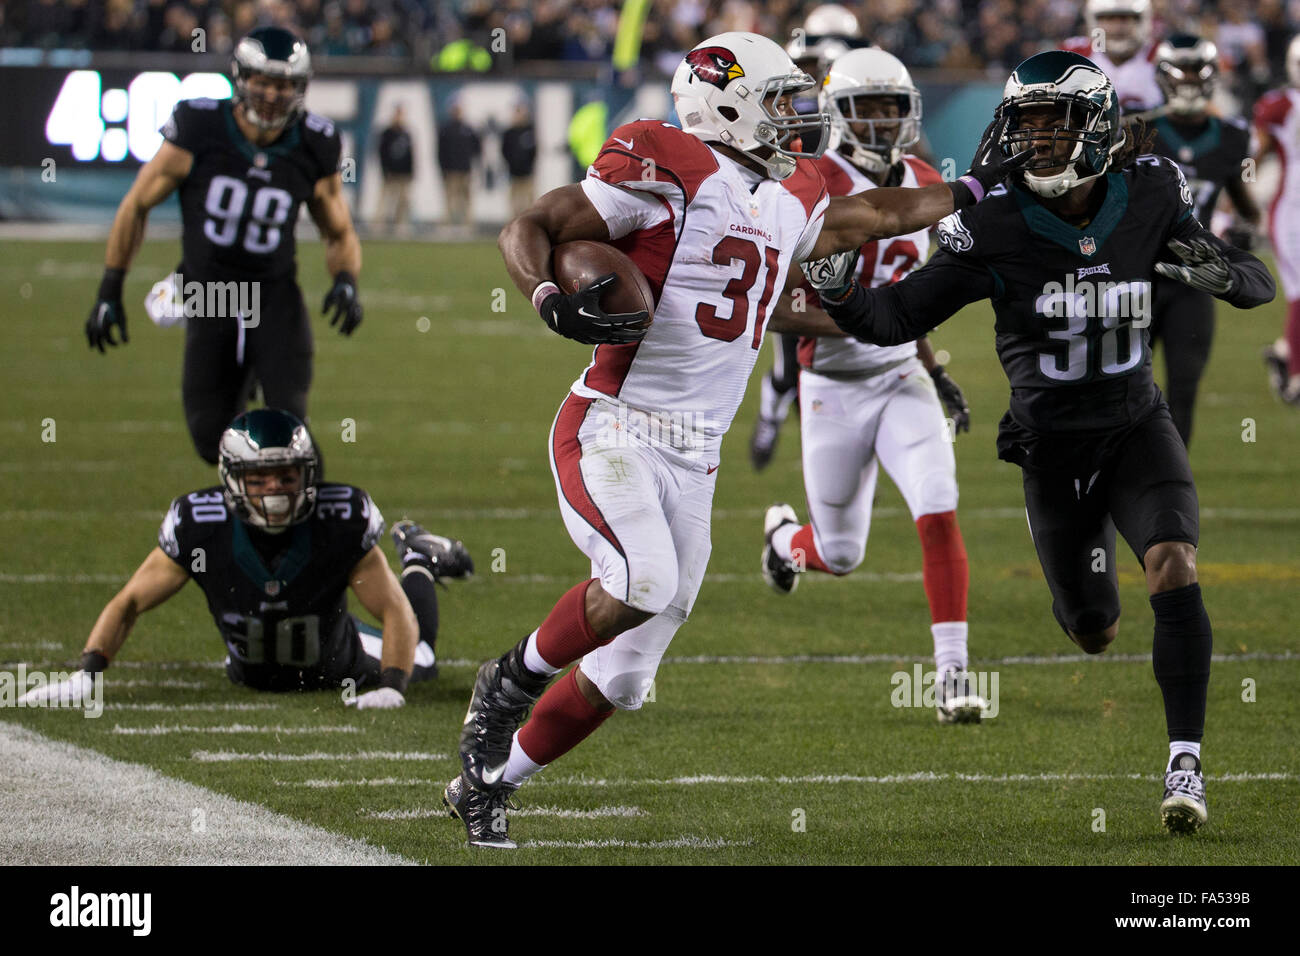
1204 267
989 167
954 402
579 316
832 276
342 298
107 313
385 698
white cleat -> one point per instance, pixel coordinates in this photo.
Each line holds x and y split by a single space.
781 576
958 702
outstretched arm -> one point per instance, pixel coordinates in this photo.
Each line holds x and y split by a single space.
907 310
157 579
380 593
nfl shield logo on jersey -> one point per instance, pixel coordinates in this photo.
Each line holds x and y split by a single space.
272 588
1087 245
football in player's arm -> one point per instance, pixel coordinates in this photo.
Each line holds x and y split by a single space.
243 167
274 549
1067 254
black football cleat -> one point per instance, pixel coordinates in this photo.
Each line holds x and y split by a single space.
484 814
1183 809
762 443
503 693
445 557
781 576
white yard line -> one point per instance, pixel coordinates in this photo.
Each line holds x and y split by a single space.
678 843
924 776
158 730
170 708
332 783
558 813
231 756
77 807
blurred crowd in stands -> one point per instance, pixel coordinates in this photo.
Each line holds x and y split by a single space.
990 35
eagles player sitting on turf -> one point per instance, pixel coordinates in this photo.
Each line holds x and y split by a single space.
865 407
243 168
274 550
1067 254
1210 150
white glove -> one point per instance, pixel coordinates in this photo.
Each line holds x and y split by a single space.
75 690
1206 268
833 274
385 698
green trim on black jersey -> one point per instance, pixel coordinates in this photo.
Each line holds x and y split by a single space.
290 566
1048 225
283 146
1207 141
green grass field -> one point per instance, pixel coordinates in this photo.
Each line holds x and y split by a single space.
732 755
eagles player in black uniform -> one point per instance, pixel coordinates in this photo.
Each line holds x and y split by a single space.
243 167
1210 150
274 550
1067 254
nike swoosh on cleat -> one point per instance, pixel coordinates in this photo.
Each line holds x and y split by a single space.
490 777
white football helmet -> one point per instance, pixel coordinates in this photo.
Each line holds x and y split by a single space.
832 20
721 90
871 72
1293 62
1122 47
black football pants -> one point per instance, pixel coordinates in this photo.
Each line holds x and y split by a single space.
1184 325
1142 486
224 356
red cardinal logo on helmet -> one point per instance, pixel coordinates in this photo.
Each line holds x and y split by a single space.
715 64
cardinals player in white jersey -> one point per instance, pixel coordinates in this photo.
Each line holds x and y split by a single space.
866 406
1119 41
715 214
1277 127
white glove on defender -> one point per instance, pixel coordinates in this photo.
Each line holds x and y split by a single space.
385 698
833 274
69 693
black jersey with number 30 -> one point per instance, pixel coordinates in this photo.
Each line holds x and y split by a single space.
278 600
240 202
1072 303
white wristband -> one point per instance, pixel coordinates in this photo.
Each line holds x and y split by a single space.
543 290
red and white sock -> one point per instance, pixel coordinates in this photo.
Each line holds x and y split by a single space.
946 573
565 636
789 539
561 719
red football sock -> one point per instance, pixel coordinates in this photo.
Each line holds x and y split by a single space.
803 541
944 566
1293 336
561 720
566 634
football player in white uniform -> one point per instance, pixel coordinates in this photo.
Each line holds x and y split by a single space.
715 214
863 406
828 31
1277 126
1119 41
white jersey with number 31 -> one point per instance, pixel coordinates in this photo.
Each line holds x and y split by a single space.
715 240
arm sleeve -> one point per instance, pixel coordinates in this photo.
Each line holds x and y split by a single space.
1252 283
625 210
906 310
183 127
169 534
